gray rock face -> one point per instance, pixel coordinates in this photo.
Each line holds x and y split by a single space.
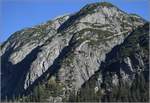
79 41
125 61
21 44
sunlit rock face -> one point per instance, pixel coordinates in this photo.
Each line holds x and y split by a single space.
74 46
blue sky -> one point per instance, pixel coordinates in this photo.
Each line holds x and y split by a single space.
18 14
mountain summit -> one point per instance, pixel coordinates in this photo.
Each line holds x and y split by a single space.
55 61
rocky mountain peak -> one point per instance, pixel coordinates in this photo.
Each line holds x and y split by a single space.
95 6
67 50
100 14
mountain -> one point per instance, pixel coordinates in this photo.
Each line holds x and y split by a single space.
99 46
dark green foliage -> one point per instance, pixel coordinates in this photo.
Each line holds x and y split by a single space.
137 92
42 92
139 89
138 38
54 88
88 94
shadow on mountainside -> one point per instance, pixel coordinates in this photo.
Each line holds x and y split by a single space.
14 84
